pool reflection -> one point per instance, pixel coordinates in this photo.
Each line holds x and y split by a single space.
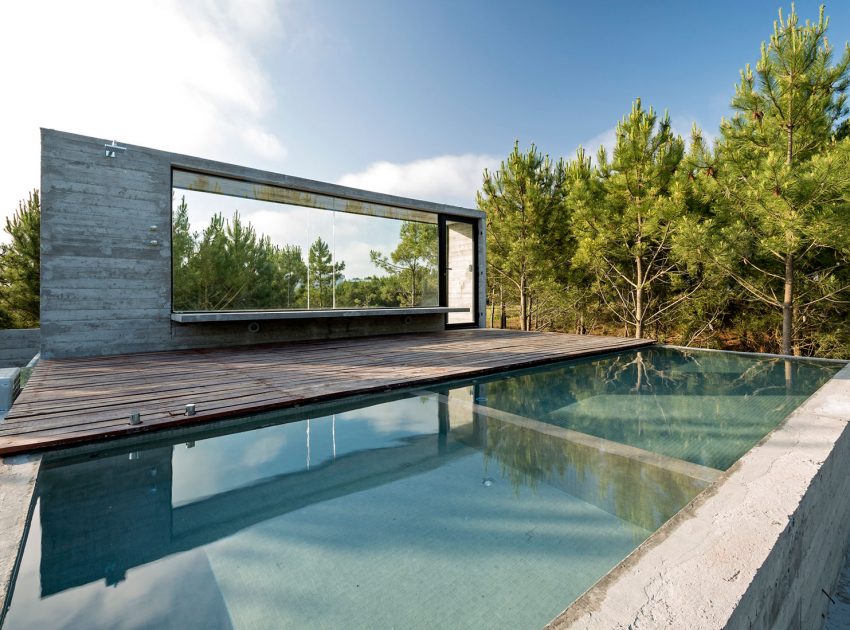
101 517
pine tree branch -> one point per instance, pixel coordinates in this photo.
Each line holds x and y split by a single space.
762 297
827 297
618 272
748 262
657 315
614 311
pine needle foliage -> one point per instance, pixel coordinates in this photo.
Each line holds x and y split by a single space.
20 266
784 177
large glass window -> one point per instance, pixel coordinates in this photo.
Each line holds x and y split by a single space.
243 246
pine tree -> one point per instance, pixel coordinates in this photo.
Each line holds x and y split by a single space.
412 265
527 229
702 317
323 274
625 214
784 175
369 292
182 251
20 266
291 277
232 267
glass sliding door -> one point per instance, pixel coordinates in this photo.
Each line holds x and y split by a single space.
460 270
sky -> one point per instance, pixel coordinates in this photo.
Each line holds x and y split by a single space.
397 96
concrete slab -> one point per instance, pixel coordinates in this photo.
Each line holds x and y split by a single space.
247 316
17 485
10 386
756 549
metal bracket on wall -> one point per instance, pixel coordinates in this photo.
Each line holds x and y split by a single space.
111 149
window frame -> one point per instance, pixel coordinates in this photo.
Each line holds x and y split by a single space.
379 201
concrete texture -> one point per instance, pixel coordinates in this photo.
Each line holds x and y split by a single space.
10 387
106 253
461 271
838 615
251 316
759 549
17 484
18 346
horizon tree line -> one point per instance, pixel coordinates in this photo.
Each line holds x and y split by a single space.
229 266
741 245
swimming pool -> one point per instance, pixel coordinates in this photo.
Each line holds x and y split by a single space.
494 502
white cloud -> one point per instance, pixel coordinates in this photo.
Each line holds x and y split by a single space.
451 179
682 125
605 139
264 449
263 143
181 76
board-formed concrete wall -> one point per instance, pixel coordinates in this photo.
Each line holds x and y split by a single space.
18 346
106 254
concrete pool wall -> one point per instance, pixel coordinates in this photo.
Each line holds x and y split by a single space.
762 548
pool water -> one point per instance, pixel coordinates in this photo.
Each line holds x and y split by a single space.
707 408
490 503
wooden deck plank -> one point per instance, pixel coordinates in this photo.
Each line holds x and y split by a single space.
71 401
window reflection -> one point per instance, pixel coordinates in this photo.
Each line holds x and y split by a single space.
242 246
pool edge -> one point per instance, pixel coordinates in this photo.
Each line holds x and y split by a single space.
756 548
17 491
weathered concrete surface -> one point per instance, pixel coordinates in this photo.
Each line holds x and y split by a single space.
838 615
106 253
17 484
755 550
10 382
18 346
257 316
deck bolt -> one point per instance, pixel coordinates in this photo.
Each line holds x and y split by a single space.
135 418
190 409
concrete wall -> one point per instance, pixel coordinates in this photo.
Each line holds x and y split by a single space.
461 280
18 346
760 549
106 254
790 588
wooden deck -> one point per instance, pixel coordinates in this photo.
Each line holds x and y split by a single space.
71 401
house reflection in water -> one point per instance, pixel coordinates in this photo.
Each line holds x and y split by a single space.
103 516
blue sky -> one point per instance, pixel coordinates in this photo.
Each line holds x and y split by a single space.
401 81
412 98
